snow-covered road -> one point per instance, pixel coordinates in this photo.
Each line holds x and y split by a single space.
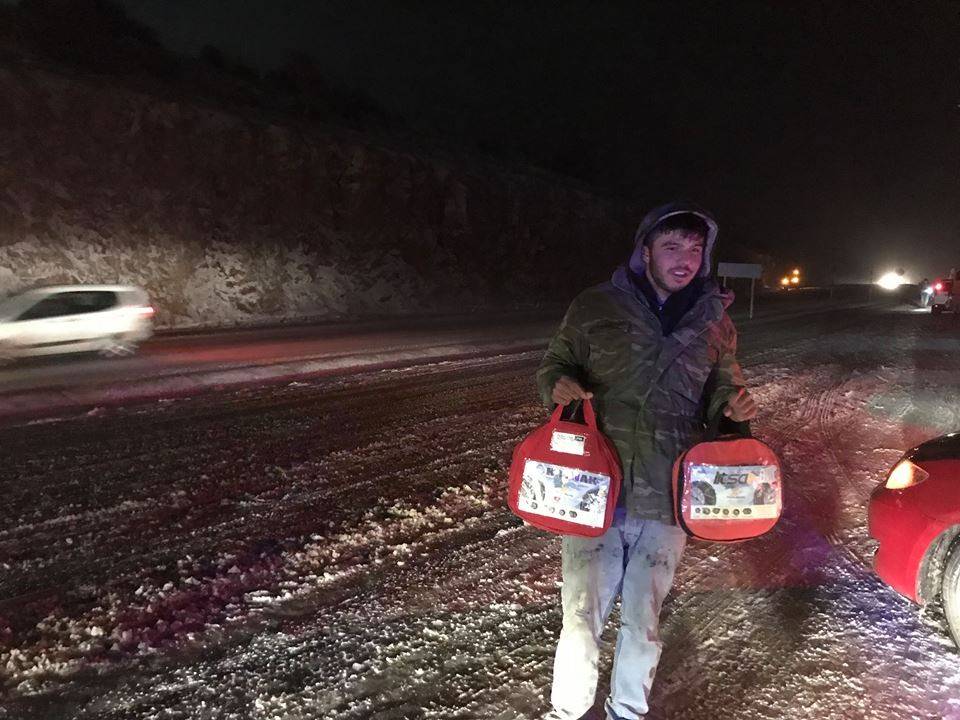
340 548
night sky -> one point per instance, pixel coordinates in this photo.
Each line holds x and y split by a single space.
827 132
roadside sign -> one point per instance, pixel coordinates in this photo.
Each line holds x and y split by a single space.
741 270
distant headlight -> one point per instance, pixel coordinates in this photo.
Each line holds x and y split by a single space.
905 475
890 281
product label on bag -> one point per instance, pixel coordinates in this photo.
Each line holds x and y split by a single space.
564 493
567 443
734 492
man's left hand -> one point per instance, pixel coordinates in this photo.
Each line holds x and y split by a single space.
741 407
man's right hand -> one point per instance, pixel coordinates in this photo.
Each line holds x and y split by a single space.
566 390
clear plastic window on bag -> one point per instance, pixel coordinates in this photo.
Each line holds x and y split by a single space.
564 493
733 492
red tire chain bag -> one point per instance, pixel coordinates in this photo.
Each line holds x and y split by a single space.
728 488
565 477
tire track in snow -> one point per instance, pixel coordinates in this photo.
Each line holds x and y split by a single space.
487 386
419 606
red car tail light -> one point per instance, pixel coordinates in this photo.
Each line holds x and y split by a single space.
905 474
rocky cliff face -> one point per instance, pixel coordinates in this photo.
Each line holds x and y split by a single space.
229 216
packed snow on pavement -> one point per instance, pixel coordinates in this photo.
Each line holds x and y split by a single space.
340 548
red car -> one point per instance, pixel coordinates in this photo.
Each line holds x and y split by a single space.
915 516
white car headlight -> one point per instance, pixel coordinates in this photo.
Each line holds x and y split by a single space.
905 474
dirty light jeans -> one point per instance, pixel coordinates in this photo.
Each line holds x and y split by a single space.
635 558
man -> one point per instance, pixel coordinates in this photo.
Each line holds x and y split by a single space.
654 350
926 292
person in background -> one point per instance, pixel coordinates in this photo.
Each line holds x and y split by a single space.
926 292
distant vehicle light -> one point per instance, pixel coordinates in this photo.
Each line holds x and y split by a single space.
796 272
938 287
784 281
905 475
890 281
795 280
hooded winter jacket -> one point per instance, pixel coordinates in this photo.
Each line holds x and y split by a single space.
652 393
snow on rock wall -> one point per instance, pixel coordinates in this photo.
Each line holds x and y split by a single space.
228 216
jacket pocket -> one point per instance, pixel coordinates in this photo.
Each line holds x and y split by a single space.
685 390
610 355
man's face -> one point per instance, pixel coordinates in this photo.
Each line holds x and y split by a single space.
673 260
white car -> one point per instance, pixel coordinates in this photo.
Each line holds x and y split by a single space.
109 319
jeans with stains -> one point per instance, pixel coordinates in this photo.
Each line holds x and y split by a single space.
635 559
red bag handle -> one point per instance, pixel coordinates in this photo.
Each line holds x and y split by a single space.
588 414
